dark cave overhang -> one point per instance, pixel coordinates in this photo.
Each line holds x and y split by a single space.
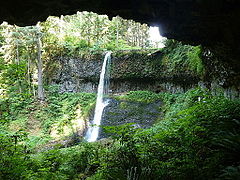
206 22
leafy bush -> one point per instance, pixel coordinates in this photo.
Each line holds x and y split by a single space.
191 142
13 157
179 58
60 110
195 61
197 139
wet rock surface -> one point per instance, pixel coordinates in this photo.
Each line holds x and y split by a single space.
119 112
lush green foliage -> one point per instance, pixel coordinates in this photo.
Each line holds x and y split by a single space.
18 55
140 96
13 155
175 61
26 125
198 138
62 108
180 58
188 141
60 112
71 35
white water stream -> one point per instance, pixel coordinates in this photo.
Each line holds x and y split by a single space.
103 87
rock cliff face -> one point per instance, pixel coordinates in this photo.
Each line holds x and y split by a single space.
139 70
129 72
77 75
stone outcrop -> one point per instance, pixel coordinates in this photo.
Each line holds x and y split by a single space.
141 114
129 72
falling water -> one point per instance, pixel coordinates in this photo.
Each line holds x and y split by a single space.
93 130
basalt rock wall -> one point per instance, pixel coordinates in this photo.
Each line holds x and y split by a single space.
129 71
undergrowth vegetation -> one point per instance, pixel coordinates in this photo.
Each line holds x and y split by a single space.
198 138
179 58
60 115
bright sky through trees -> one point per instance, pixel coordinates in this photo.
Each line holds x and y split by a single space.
155 36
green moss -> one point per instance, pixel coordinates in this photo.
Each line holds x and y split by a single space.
123 105
140 96
175 59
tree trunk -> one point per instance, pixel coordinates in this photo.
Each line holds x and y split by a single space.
28 70
41 96
18 63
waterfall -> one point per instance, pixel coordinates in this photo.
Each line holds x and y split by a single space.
103 87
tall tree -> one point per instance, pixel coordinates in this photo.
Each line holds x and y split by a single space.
41 95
